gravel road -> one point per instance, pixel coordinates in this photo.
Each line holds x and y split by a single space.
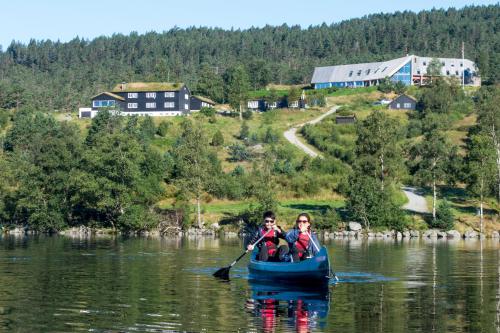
416 202
291 134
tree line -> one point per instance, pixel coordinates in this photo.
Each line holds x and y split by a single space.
51 75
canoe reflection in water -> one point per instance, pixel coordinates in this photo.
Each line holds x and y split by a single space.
295 307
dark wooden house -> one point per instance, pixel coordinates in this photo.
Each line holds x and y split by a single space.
155 99
403 102
199 102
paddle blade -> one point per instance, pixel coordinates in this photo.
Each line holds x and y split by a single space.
222 273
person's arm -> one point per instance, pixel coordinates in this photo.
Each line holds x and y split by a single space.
316 241
255 237
292 235
281 234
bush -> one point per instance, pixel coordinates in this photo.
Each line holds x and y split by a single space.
238 153
247 115
163 128
329 219
137 217
4 118
444 217
217 139
207 111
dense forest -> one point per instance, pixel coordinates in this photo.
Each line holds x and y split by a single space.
50 75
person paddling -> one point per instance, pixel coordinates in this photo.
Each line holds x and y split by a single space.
268 247
299 239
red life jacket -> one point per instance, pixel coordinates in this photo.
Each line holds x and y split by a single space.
271 240
302 243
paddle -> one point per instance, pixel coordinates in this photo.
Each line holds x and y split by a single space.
317 249
223 272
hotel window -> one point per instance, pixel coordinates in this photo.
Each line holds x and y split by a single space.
186 106
169 105
425 64
447 72
169 94
456 72
461 65
150 105
359 72
132 105
186 96
150 95
132 95
350 73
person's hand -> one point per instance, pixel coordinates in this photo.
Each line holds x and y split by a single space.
303 229
250 247
275 227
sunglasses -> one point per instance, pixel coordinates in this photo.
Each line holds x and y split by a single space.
269 221
302 221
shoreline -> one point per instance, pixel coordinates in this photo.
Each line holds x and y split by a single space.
87 232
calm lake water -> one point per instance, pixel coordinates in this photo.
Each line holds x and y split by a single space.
57 284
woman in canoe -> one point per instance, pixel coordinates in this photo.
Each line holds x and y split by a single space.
302 242
268 247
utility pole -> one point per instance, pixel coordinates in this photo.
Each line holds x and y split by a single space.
463 66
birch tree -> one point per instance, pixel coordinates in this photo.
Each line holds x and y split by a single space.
481 169
377 150
430 162
489 124
192 163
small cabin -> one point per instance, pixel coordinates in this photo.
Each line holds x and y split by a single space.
403 102
340 120
199 102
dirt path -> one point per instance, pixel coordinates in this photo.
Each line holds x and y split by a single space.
416 202
291 134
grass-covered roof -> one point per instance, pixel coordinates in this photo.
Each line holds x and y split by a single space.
147 86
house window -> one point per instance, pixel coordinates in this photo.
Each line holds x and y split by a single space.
253 104
132 95
186 96
461 65
169 94
407 105
425 64
456 73
447 72
186 106
150 105
350 73
169 105
132 105
418 72
294 104
103 104
150 95
398 106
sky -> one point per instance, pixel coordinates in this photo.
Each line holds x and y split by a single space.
66 19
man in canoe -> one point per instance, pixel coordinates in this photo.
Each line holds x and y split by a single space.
268 246
302 242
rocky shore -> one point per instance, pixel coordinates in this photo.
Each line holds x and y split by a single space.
354 230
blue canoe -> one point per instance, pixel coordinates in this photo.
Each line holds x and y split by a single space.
316 269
